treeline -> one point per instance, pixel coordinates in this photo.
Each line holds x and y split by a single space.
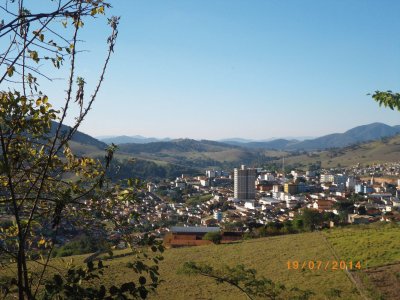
146 170
309 220
82 244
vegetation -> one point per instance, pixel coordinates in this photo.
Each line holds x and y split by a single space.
245 280
214 237
363 153
198 200
48 190
82 245
268 256
144 169
379 243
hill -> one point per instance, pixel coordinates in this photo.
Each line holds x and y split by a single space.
375 246
137 139
200 154
379 151
79 137
170 158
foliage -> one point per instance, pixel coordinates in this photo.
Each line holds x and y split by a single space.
198 200
387 99
245 280
311 219
45 187
82 245
143 169
333 293
214 237
344 208
268 256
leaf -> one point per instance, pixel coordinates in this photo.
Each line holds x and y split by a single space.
10 71
34 55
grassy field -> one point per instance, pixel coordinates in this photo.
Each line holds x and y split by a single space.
373 245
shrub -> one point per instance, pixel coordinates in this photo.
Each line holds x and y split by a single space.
214 237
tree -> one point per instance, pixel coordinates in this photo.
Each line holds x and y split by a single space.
344 208
310 219
214 237
44 185
362 210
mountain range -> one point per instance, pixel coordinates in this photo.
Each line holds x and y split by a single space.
163 159
137 139
355 135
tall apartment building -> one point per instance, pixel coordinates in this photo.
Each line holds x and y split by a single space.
244 183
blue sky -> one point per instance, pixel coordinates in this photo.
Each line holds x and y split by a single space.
250 69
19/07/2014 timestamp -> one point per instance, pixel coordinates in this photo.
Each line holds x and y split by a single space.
330 265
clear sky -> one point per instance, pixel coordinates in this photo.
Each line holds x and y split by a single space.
238 68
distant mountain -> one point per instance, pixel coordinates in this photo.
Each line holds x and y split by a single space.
355 135
234 141
274 144
240 141
124 139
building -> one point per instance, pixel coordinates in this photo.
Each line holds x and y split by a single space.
211 173
193 236
290 188
244 183
326 178
188 236
218 216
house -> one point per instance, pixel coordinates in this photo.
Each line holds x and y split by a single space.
323 205
193 236
358 219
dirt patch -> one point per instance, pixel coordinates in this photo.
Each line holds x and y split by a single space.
384 279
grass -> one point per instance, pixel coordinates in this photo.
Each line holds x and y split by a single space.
373 245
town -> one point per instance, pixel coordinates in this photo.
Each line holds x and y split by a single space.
249 198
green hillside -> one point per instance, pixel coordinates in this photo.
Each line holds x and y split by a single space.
373 245
200 154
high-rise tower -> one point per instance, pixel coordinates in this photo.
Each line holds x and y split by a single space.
244 183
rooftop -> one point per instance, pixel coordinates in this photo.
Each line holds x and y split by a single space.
196 229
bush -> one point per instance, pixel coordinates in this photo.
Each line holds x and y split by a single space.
214 237
81 245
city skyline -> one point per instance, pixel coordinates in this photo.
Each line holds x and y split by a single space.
189 69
